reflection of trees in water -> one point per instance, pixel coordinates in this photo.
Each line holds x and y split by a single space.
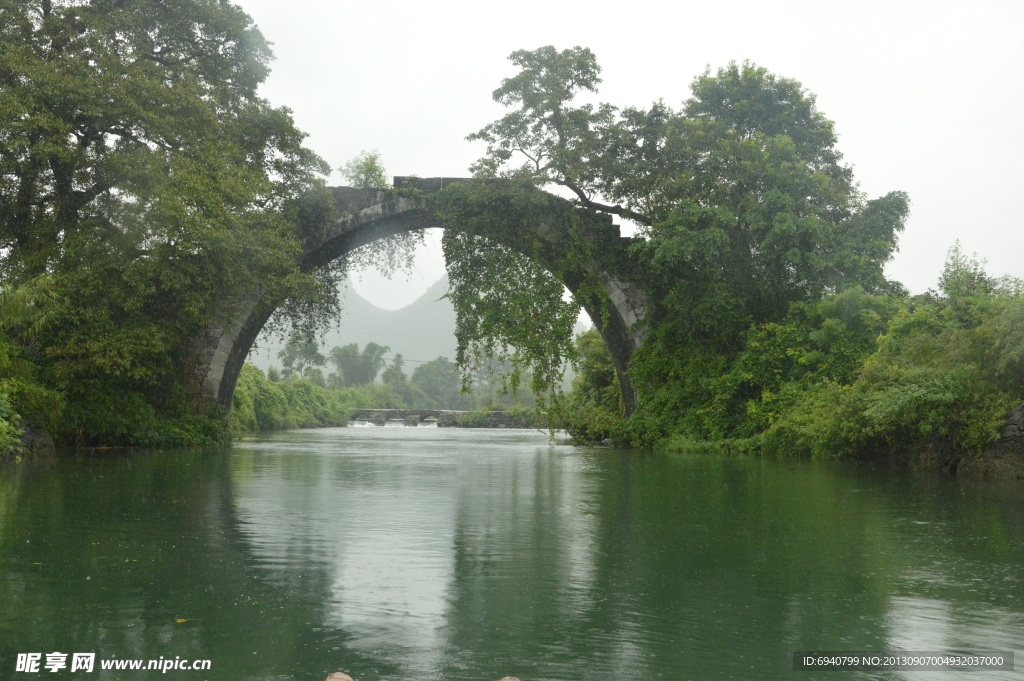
524 571
157 538
536 563
381 531
694 557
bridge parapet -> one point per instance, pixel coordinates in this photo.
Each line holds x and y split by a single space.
426 184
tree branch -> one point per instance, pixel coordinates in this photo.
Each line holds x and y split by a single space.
621 211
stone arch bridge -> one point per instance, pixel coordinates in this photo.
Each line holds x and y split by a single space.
366 215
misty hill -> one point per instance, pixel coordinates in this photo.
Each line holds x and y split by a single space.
421 331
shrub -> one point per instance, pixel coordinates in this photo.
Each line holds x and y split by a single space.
10 431
262 405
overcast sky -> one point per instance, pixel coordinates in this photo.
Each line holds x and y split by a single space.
928 97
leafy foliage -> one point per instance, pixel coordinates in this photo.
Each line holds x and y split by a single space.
512 250
934 380
762 262
394 373
300 355
10 429
263 405
142 174
556 142
592 411
942 375
355 367
26 312
440 381
260 405
854 375
366 171
747 205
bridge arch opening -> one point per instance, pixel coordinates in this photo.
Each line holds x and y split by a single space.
366 216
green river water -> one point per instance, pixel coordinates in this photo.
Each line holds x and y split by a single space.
417 553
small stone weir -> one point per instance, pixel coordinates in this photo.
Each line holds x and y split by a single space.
445 418
411 417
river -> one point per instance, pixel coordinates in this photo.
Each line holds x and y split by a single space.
410 554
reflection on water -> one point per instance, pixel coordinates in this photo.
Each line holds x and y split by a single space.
402 553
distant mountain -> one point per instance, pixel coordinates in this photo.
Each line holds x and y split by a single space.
421 331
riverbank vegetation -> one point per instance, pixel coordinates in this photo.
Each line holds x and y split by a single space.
262 405
144 183
770 324
300 396
855 375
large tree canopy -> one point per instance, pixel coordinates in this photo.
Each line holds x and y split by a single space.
134 127
142 174
744 204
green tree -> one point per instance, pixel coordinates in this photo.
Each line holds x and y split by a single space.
591 411
358 368
25 312
134 129
300 356
365 171
747 203
440 381
546 138
141 171
966 286
394 373
940 384
743 199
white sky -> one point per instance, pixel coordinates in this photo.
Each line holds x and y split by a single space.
928 97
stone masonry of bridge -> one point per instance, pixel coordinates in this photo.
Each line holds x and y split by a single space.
367 215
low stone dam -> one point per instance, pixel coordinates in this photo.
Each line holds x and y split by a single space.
445 418
411 417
